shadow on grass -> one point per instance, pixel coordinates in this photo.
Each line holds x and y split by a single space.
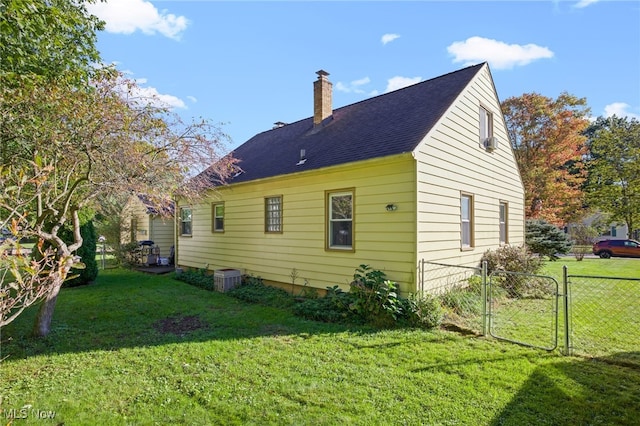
130 309
595 391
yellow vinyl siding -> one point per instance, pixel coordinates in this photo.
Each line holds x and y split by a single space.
384 240
134 209
451 161
162 233
158 229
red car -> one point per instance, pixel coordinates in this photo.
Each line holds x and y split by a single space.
618 248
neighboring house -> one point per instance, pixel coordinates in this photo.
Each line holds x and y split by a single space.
613 231
143 220
424 172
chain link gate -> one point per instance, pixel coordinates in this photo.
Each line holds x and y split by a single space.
523 308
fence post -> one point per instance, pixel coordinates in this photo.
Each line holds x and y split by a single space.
421 276
565 295
483 295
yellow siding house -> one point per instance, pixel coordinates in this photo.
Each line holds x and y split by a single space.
424 172
146 220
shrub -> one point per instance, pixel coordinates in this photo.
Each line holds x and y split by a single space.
197 277
462 301
87 253
375 298
546 239
583 237
520 265
422 311
512 259
253 290
333 308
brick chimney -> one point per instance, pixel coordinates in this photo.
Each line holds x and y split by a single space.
322 90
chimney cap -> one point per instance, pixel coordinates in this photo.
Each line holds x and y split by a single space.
322 74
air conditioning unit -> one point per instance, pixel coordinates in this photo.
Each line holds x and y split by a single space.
491 143
226 279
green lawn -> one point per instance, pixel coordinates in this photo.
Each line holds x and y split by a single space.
139 349
604 312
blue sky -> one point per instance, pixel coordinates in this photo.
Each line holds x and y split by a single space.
251 64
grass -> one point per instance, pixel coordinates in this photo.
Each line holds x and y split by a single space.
140 349
614 267
603 317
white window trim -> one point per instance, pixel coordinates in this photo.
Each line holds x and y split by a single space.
214 217
503 222
470 221
329 196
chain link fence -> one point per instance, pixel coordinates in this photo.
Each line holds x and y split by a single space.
604 317
523 308
460 290
584 315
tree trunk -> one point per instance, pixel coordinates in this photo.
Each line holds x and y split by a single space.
42 325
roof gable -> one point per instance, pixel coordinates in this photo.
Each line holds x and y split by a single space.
388 124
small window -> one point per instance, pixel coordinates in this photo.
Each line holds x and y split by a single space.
340 220
273 214
185 221
504 211
486 126
466 222
217 213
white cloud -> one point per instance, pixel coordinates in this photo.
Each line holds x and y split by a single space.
584 3
620 109
398 82
192 99
354 87
499 54
388 38
139 95
128 16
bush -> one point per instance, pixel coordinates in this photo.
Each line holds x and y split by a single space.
375 298
253 290
512 259
198 278
520 264
422 311
462 301
333 308
87 254
546 239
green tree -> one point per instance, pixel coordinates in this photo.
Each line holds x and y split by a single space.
613 163
548 143
47 39
546 239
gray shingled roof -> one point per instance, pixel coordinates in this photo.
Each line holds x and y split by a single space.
388 124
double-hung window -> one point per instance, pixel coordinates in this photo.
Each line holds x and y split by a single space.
486 126
503 217
273 214
185 221
217 217
340 220
466 221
